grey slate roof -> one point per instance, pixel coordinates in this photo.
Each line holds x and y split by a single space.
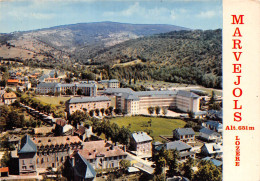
141 137
27 145
88 99
208 132
83 168
214 161
215 124
85 85
185 131
110 81
132 97
155 93
47 85
118 90
187 94
178 145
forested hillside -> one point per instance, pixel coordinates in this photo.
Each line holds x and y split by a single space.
193 57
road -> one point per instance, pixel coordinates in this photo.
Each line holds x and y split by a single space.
141 164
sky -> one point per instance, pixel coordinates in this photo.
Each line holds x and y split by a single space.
22 15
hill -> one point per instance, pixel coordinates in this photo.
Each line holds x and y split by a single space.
73 42
192 57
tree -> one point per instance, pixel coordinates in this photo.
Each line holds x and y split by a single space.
191 114
212 98
124 164
78 117
208 172
164 110
157 110
102 110
97 112
91 113
111 108
187 168
79 92
69 92
150 110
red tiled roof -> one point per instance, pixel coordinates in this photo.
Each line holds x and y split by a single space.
4 169
94 148
12 81
61 122
9 95
39 141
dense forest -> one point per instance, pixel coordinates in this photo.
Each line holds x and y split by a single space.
192 57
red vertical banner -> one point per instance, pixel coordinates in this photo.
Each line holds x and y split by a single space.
241 80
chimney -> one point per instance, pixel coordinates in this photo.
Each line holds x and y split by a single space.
73 161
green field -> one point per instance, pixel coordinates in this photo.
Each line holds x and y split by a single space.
52 99
160 126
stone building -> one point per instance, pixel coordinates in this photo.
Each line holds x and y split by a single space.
134 103
86 104
141 144
186 135
9 98
102 154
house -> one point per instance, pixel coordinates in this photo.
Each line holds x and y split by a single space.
79 169
186 135
141 144
4 171
183 148
9 98
83 133
209 135
212 149
53 151
213 125
43 152
62 128
12 82
27 156
102 154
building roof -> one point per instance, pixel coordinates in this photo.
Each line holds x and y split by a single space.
165 93
85 85
100 148
140 137
184 131
12 81
39 141
47 85
61 122
187 94
27 145
214 161
178 145
208 132
118 90
4 169
9 95
82 167
212 148
109 81
88 99
214 124
80 130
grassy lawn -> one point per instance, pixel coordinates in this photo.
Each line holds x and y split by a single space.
52 100
160 126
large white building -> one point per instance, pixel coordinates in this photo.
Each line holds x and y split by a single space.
135 102
88 89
